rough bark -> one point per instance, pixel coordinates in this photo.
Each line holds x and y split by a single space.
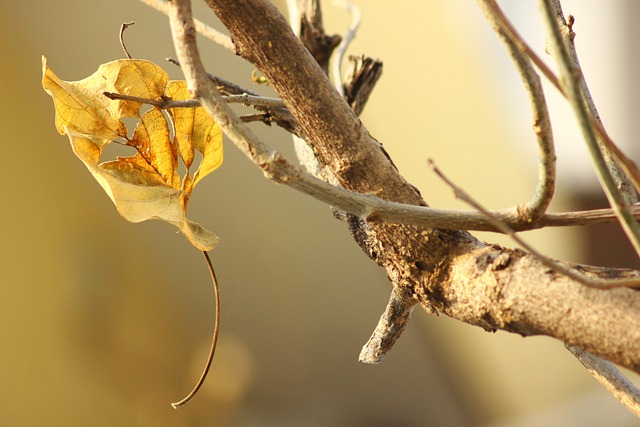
446 271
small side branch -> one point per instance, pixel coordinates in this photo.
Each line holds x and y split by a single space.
610 377
360 82
246 99
310 30
390 326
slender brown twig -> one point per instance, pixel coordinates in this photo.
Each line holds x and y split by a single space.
214 340
246 99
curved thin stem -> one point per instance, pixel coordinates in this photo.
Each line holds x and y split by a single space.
214 341
123 27
538 205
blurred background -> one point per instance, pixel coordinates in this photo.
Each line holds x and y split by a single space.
105 322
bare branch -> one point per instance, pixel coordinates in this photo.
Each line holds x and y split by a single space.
566 29
255 101
246 99
446 271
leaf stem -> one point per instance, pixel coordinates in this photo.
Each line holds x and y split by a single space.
214 341
123 27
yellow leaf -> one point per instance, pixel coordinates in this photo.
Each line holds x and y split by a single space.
151 139
195 130
146 185
139 193
81 107
133 77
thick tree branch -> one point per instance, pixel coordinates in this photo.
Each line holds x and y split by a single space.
446 271
510 290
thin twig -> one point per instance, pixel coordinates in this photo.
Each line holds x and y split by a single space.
572 79
214 340
545 189
356 19
551 263
204 29
610 377
255 101
225 85
123 27
160 103
246 99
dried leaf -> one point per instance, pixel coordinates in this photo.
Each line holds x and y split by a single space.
151 139
146 185
81 107
195 129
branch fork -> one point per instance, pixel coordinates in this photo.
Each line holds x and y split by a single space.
362 169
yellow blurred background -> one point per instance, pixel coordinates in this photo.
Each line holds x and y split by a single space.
105 322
